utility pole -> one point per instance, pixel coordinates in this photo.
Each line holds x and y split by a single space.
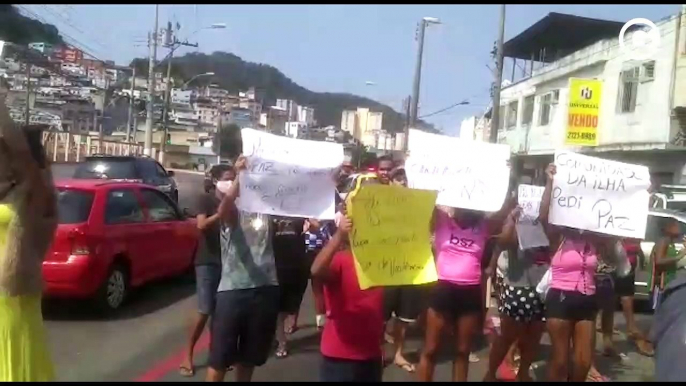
408 102
152 39
129 122
28 93
498 78
172 43
220 109
417 74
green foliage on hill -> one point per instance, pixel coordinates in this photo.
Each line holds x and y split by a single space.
20 29
235 74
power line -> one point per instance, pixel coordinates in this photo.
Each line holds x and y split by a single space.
445 109
76 43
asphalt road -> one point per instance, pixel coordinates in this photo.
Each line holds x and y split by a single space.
144 341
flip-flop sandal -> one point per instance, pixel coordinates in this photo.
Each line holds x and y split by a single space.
597 378
409 367
186 371
642 349
281 353
473 358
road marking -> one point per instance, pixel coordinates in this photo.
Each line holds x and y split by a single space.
171 363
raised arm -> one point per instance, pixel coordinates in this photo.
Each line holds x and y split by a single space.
227 208
544 210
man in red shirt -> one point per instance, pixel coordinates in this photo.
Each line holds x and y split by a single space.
351 340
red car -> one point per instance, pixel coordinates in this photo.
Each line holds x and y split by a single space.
113 236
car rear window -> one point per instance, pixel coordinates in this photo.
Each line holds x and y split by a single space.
73 206
110 169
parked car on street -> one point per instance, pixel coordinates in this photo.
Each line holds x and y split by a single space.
671 197
653 234
113 236
143 169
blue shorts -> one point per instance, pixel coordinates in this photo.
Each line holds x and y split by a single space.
207 280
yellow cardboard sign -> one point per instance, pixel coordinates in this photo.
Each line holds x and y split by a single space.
391 237
583 112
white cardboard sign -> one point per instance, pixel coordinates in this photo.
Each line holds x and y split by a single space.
600 195
530 233
466 174
288 177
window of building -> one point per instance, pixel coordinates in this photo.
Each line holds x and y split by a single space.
511 118
548 103
628 89
528 113
648 71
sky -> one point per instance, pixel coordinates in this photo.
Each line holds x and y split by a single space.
337 48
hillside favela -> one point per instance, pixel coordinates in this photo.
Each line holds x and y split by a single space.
342 193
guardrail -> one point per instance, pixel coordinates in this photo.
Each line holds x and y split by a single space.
63 147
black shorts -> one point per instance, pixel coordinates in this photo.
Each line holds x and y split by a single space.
243 327
404 302
454 300
347 370
605 291
625 286
293 273
570 305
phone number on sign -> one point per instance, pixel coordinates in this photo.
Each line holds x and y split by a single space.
582 136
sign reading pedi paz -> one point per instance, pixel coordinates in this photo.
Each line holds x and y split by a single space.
599 195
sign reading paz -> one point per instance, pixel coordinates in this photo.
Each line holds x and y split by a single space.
466 174
390 237
288 177
583 112
530 233
599 195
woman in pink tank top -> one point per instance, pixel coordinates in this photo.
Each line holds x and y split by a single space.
571 305
456 301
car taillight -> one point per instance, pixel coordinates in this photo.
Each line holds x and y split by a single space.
79 244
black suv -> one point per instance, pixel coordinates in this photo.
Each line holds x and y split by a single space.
144 169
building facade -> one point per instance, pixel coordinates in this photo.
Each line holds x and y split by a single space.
640 118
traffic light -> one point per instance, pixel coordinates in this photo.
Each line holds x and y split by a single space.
168 139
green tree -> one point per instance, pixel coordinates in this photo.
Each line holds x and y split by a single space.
227 142
362 157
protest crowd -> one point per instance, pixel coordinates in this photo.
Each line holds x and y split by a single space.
415 244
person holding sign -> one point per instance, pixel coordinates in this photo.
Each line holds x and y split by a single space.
402 304
571 304
247 302
457 300
521 310
352 336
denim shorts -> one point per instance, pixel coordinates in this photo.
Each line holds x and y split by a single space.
207 280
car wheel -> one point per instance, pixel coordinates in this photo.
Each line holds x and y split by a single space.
114 290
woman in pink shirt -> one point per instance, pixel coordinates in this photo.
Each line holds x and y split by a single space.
571 305
456 302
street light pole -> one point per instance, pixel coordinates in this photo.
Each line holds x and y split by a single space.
151 86
131 102
498 79
418 74
165 113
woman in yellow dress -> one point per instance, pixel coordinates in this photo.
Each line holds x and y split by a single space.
27 225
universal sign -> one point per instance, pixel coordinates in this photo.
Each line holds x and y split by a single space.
583 112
